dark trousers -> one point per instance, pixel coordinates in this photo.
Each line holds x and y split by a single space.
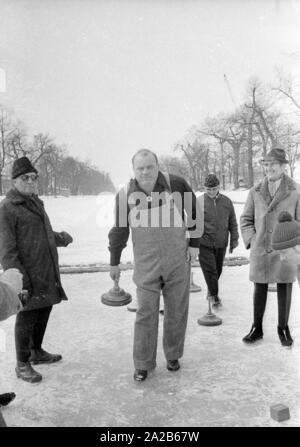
284 298
211 261
30 328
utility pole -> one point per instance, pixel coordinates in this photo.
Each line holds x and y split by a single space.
229 90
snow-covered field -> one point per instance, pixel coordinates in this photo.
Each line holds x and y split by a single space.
89 218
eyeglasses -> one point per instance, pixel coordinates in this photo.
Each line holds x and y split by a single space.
27 177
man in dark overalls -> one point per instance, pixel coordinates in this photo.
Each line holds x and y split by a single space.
162 256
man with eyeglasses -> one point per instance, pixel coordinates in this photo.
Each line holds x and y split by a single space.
28 243
219 223
275 193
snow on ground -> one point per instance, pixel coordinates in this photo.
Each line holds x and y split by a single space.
89 218
222 382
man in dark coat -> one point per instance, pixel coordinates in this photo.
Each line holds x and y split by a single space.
28 243
219 222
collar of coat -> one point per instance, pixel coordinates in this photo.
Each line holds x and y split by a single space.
286 186
19 199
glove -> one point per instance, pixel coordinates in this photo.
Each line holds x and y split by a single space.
66 237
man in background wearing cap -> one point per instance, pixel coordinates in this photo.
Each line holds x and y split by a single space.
28 243
219 222
275 193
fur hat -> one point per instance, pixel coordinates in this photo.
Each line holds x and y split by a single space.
211 181
286 232
22 166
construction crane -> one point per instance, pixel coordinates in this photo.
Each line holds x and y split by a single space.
229 90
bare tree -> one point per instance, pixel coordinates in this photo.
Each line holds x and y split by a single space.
7 130
286 88
228 129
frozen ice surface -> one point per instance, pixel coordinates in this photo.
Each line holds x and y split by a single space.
222 381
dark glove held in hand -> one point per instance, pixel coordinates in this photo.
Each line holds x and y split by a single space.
66 237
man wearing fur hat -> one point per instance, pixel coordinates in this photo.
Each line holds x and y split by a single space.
275 193
219 222
28 243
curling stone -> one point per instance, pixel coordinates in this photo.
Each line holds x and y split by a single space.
132 307
209 319
116 296
193 286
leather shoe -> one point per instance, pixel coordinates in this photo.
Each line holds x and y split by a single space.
6 398
40 356
173 365
285 336
25 372
256 333
140 375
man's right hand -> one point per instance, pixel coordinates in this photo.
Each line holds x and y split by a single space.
115 272
13 278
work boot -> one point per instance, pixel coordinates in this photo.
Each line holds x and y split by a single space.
285 336
25 372
173 365
6 398
255 334
41 356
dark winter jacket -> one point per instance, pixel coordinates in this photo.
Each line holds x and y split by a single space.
28 243
219 221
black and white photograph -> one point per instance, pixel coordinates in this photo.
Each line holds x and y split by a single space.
149 216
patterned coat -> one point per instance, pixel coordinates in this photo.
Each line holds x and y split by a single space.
257 222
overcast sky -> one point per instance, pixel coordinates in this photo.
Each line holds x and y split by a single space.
107 77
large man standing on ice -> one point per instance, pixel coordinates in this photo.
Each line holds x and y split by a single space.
162 256
28 243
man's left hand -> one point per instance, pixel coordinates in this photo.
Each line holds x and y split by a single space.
66 237
192 254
